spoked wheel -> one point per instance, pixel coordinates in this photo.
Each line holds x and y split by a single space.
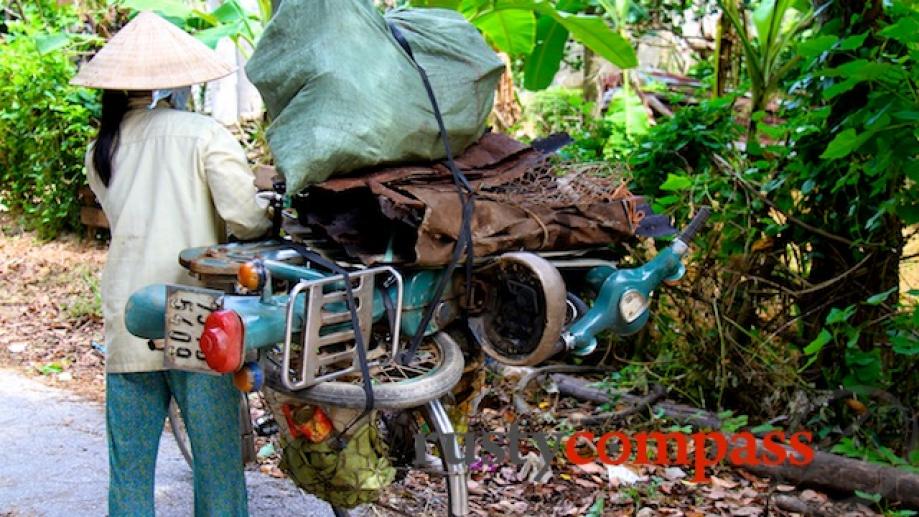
435 370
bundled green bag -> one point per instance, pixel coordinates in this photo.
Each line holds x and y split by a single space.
343 95
347 477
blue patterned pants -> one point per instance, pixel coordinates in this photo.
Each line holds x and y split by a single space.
136 405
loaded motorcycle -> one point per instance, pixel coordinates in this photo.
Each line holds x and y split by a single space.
329 337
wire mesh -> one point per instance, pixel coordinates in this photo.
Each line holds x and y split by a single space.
554 185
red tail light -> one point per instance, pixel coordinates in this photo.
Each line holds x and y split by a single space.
222 341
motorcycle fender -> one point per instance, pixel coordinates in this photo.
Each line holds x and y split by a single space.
145 312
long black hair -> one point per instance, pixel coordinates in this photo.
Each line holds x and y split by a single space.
114 106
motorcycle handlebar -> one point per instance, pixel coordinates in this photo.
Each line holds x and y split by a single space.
696 224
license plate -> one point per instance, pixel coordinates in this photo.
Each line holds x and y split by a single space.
187 308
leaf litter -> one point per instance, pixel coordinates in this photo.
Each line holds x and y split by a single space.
50 314
594 489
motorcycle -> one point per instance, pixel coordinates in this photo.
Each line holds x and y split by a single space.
324 333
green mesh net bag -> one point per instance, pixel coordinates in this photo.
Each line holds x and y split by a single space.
347 477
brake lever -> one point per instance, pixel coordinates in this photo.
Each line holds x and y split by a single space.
273 199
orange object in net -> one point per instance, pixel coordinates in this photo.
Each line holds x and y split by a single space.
307 421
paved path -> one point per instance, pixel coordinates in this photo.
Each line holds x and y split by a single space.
53 461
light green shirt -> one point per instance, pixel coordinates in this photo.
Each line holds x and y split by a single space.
178 180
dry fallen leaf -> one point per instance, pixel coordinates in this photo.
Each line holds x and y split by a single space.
751 478
586 483
621 475
724 483
592 468
674 473
812 496
475 487
509 508
856 405
716 493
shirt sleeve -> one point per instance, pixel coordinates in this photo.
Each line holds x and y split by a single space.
232 186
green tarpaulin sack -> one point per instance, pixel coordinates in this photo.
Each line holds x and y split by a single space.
342 95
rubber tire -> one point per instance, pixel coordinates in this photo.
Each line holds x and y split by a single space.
179 433
402 395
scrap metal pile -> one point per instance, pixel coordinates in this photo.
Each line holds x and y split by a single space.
525 200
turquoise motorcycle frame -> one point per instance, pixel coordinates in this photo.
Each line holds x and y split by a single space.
612 285
621 305
264 317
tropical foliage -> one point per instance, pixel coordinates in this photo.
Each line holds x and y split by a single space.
766 41
795 293
538 31
229 20
45 123
799 286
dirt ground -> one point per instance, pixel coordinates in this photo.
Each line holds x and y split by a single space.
50 319
50 313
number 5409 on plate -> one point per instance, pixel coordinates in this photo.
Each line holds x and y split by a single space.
187 308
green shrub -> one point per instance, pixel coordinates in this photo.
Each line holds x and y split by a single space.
45 128
608 137
795 287
557 109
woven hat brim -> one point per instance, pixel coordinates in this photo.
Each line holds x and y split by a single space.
149 53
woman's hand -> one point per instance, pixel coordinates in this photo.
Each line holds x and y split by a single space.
265 176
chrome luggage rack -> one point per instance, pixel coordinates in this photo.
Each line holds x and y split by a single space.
328 349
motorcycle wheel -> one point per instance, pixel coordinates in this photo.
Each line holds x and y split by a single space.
177 426
437 367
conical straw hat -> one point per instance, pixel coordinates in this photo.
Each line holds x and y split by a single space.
149 53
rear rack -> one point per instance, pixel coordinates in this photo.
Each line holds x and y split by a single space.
327 345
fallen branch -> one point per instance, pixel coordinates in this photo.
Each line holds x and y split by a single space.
520 403
656 393
580 389
828 471
795 505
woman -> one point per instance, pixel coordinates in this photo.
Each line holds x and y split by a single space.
167 180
